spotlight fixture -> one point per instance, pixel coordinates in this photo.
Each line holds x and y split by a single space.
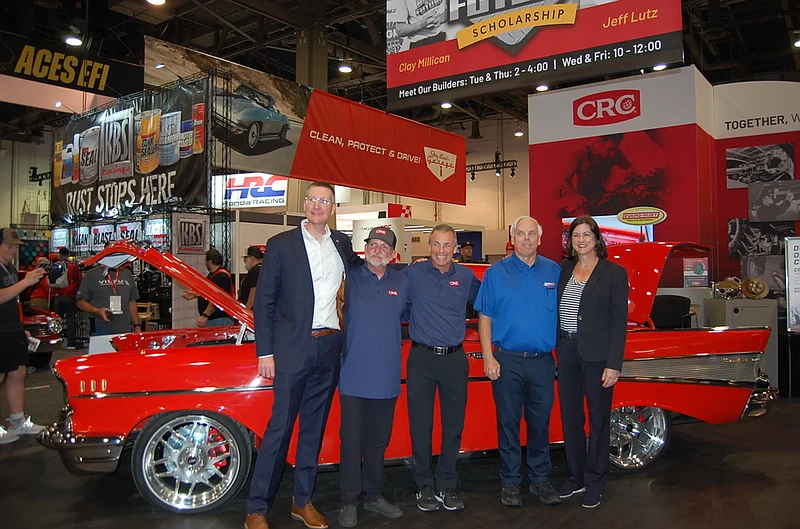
345 68
498 172
519 132
58 104
659 67
797 42
156 2
160 65
73 40
513 173
542 88
472 177
446 105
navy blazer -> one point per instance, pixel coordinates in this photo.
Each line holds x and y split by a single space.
603 312
284 302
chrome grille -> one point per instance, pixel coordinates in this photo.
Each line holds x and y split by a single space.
38 330
734 367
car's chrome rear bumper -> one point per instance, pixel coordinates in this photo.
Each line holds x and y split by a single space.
759 401
80 454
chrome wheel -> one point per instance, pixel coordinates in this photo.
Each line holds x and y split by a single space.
253 134
638 436
191 462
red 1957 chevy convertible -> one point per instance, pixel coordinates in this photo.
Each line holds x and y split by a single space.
191 406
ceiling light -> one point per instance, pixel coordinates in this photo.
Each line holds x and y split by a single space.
497 172
659 67
446 104
156 2
472 177
345 68
797 42
160 65
542 88
73 40
519 132
58 104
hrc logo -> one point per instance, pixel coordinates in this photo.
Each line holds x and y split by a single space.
254 186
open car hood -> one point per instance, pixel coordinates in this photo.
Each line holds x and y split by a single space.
645 264
122 252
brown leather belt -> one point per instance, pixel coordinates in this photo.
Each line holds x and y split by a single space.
319 333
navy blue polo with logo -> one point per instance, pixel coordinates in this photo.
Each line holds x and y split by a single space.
373 310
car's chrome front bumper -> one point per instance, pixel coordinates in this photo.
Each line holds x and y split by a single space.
82 455
759 401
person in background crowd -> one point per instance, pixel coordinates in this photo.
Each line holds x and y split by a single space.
14 353
466 254
210 315
40 295
110 296
440 292
375 302
64 299
252 263
517 306
593 324
298 343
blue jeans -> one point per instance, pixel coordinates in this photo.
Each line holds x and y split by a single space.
220 322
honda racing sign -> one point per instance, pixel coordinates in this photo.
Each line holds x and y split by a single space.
606 108
249 190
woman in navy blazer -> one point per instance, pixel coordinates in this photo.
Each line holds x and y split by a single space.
592 318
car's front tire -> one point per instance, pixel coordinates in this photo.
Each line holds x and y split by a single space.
253 135
283 132
639 435
190 461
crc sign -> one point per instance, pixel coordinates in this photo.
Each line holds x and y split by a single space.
606 108
249 190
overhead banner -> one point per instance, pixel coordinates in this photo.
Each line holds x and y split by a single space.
133 156
278 127
67 67
440 50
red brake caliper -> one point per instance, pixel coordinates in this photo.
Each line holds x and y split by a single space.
215 437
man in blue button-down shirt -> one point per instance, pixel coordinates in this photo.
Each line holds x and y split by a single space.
518 316
440 291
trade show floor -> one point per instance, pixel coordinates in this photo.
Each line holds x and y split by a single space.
729 476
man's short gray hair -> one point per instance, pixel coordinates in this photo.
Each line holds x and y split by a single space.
444 228
525 217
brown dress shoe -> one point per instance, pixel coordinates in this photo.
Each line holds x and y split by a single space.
309 516
255 521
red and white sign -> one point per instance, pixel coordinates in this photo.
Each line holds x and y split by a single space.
606 108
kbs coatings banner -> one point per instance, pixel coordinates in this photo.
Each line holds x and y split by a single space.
282 128
62 66
439 50
133 156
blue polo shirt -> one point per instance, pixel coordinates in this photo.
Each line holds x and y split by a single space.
439 302
522 302
373 310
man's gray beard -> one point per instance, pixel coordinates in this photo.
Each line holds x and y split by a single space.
380 261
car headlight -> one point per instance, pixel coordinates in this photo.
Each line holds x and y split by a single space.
55 326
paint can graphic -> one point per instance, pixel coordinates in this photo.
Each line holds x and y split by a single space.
187 138
199 118
76 158
58 163
148 131
66 162
169 140
90 155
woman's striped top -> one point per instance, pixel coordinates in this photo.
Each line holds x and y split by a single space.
570 304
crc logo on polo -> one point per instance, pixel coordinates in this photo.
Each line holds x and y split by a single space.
441 163
606 108
393 293
453 283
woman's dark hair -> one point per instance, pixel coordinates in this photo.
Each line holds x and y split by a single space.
600 244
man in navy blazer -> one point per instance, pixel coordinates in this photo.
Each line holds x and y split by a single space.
298 343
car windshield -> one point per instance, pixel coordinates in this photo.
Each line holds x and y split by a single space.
253 95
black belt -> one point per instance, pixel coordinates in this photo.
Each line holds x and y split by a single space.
437 349
567 335
523 354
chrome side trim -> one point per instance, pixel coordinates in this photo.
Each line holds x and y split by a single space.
696 381
161 393
727 368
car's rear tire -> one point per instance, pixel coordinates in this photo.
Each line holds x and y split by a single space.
283 132
253 135
638 436
191 461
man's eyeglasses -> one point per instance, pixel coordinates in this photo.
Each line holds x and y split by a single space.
323 201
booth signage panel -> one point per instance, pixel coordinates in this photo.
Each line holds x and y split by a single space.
473 47
793 284
248 190
755 108
102 234
59 239
131 231
130 157
190 240
81 239
62 66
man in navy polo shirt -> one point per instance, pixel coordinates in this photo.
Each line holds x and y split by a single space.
375 302
440 291
518 316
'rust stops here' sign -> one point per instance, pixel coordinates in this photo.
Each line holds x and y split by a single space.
67 67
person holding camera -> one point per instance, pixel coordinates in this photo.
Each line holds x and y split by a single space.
14 354
110 296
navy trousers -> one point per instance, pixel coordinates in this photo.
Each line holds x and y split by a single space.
524 383
309 394
578 378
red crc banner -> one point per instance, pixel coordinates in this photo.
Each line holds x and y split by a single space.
440 50
358 146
